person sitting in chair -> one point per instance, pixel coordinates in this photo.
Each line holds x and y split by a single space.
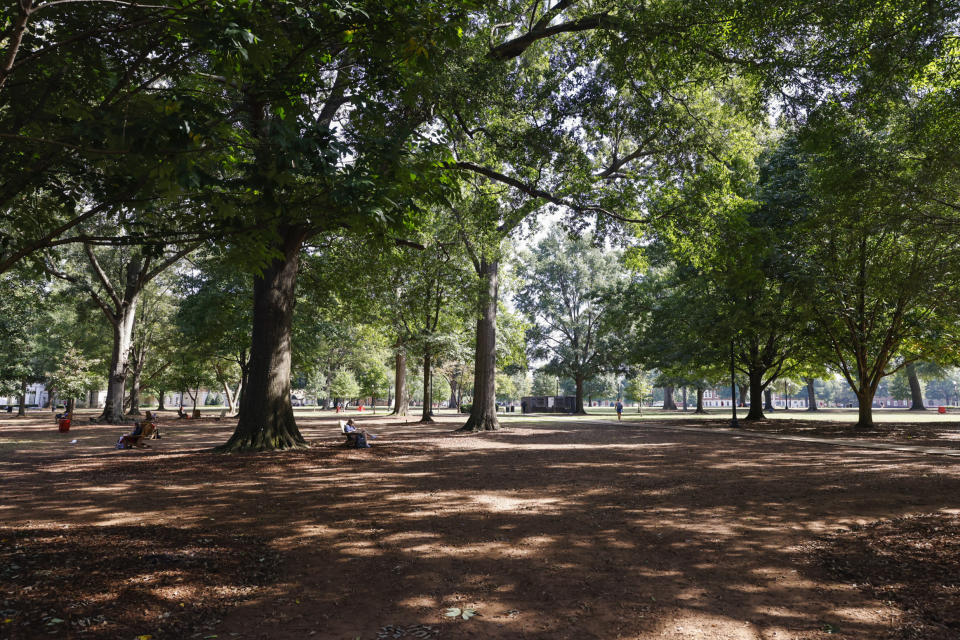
357 437
181 414
144 430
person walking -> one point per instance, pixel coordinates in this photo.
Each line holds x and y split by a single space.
619 410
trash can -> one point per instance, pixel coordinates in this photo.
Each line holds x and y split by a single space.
941 409
64 425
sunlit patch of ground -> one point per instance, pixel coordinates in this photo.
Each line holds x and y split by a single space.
550 528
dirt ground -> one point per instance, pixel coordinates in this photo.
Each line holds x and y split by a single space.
547 530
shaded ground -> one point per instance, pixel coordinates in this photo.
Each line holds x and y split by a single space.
926 429
551 529
913 561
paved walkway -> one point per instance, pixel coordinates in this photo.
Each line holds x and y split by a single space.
838 442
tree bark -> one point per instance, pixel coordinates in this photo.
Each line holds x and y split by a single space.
743 394
483 413
22 409
768 399
227 392
119 357
453 393
684 398
160 405
865 409
756 397
266 413
916 391
668 403
811 396
579 410
135 392
427 415
401 404
700 408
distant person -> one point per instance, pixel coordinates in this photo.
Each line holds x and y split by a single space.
181 414
619 406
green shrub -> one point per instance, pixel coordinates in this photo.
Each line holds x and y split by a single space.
465 408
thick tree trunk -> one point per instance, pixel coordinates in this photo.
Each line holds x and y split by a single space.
22 409
160 405
70 403
684 398
119 361
700 408
768 399
743 394
266 413
756 397
579 410
865 409
811 396
483 413
401 402
427 414
668 403
916 391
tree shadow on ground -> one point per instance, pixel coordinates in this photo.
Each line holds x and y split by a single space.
548 531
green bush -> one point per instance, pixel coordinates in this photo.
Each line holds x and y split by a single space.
465 408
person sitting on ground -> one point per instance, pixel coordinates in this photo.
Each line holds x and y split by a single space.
356 436
181 414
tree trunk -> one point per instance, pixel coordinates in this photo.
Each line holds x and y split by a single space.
668 403
119 360
70 403
700 408
579 410
135 392
756 397
811 396
743 394
768 400
193 397
22 409
160 405
427 415
227 392
865 409
483 413
266 413
401 404
916 391
453 393
684 398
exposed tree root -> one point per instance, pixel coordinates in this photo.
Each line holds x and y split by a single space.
485 422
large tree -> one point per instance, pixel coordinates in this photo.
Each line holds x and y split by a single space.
883 281
568 287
